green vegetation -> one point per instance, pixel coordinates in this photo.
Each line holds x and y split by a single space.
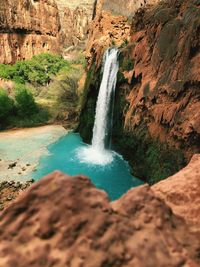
38 70
44 90
20 109
25 102
6 107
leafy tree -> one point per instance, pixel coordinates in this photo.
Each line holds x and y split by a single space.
38 70
6 106
25 103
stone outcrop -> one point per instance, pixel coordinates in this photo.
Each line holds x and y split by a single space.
65 221
182 193
27 28
156 118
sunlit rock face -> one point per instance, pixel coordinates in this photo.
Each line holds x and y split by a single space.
28 28
111 25
66 221
75 17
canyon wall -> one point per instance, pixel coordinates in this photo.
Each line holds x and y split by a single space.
32 27
27 28
75 17
157 105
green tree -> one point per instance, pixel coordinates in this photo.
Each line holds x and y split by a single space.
6 107
25 102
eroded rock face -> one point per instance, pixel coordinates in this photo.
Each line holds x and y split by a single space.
75 25
162 99
182 193
111 25
27 28
156 117
75 17
65 221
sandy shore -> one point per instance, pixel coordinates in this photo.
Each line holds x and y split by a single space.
20 150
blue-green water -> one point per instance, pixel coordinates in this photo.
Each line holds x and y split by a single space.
114 178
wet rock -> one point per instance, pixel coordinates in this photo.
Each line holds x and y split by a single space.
9 198
12 165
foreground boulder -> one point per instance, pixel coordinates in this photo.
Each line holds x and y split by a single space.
182 193
65 221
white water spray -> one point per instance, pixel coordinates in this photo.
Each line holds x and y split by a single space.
103 119
98 153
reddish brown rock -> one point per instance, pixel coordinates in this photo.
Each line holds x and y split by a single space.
157 105
75 24
65 221
111 25
28 28
182 193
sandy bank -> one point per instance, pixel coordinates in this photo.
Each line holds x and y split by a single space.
20 150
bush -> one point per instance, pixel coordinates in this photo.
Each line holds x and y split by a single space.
38 70
6 107
25 103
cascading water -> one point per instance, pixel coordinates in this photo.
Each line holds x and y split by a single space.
97 153
106 169
103 118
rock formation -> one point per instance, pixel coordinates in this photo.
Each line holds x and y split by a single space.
75 17
111 25
156 125
32 27
65 221
75 24
27 28
182 193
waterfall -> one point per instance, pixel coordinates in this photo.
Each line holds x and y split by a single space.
98 152
104 108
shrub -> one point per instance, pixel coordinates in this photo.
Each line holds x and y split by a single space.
25 103
6 106
38 70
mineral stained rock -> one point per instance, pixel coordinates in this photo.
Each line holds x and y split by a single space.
156 123
28 28
65 221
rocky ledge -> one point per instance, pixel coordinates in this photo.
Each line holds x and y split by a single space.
65 221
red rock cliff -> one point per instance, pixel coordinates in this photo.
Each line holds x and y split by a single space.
27 28
157 106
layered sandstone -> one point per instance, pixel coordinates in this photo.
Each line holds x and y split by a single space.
28 28
65 221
